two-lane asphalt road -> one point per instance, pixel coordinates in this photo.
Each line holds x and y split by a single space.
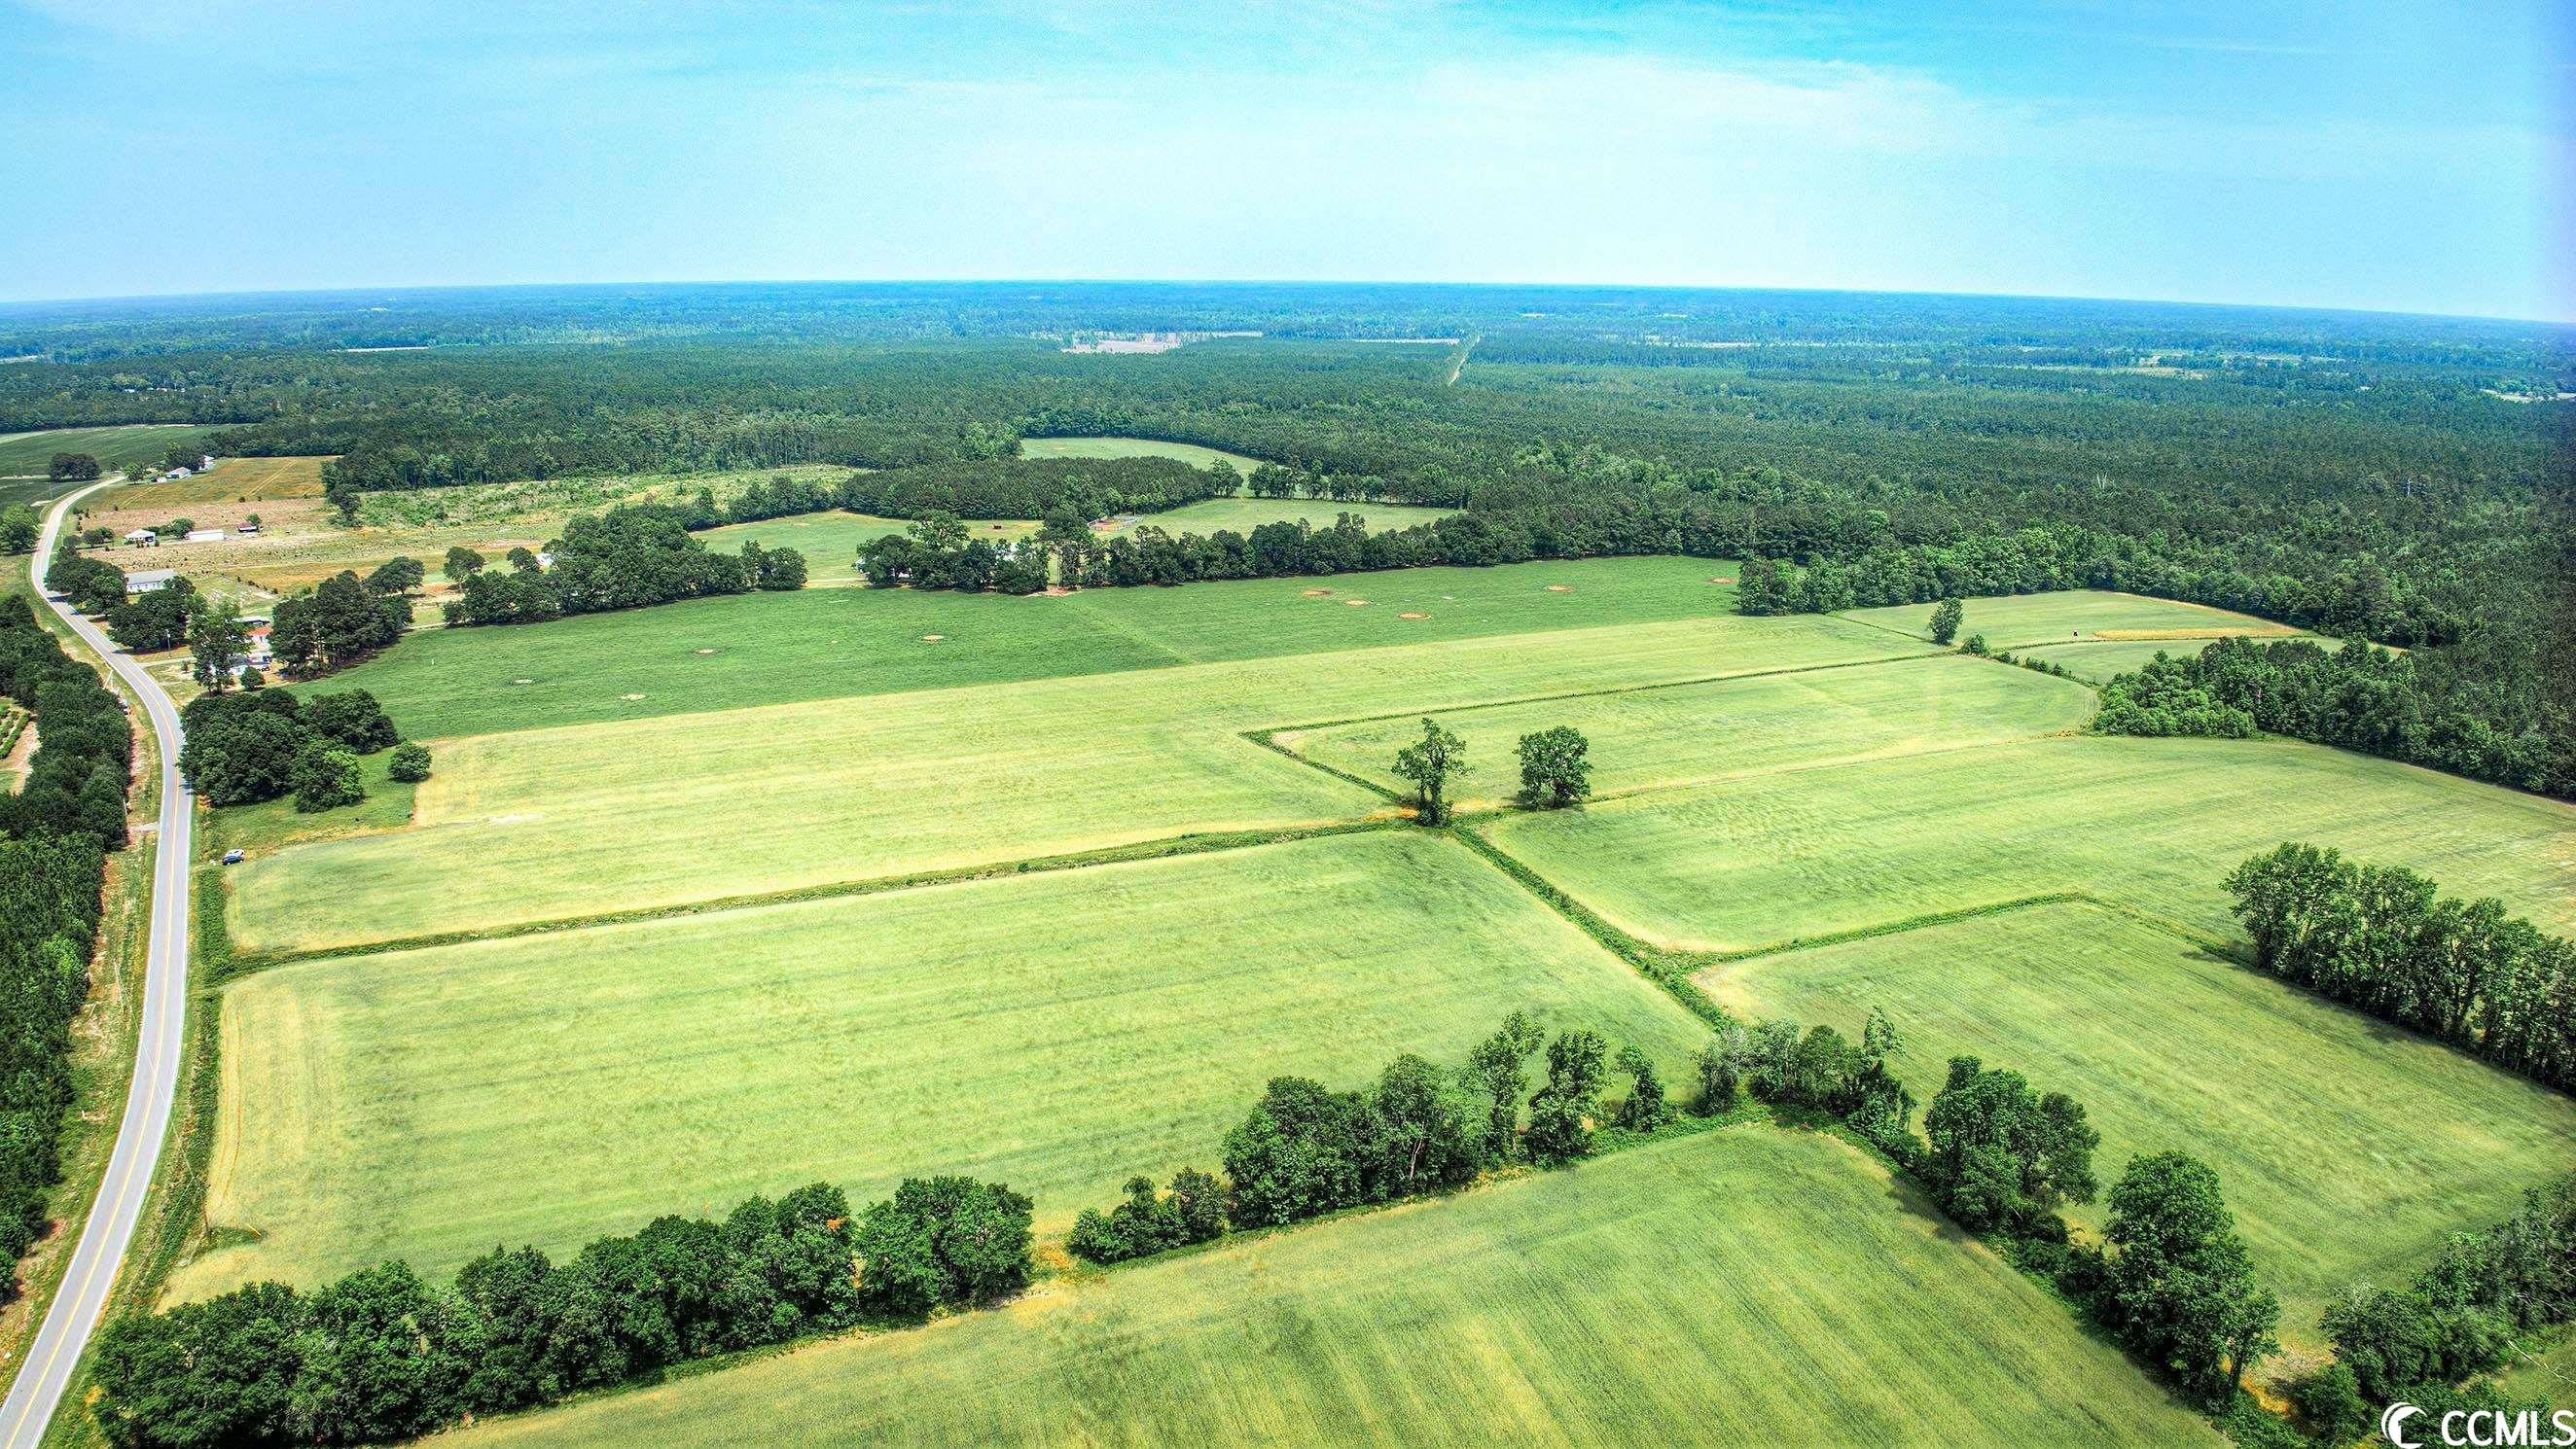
57 1347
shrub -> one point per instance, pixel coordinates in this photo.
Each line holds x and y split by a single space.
326 776
410 763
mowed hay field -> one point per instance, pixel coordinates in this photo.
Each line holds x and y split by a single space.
2349 1149
711 654
117 449
1246 514
2153 823
1745 1286
831 541
1059 1031
2024 619
1687 734
233 480
1190 453
549 825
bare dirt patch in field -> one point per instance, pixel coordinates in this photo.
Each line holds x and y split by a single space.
1560 588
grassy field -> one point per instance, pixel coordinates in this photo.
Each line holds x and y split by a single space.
541 825
1190 453
233 480
829 643
136 445
1694 733
2098 661
1744 1286
2155 823
2025 619
1246 514
830 541
1060 1031
2349 1150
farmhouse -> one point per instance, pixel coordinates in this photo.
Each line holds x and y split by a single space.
147 580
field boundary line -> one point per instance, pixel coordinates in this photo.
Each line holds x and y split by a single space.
1661 965
1616 689
243 964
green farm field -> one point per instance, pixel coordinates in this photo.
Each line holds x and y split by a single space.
1688 734
1246 514
118 449
1060 1031
1190 453
830 541
233 480
832 643
2320 1121
552 824
2153 823
2025 619
1738 1286
2097 662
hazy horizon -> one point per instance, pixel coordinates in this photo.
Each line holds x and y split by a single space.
392 290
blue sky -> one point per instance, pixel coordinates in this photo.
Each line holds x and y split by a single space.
2401 157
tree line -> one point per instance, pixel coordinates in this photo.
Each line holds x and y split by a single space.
2395 706
2381 939
1306 1150
632 556
55 834
382 1354
2452 1322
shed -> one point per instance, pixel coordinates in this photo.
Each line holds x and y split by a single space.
205 535
147 580
143 538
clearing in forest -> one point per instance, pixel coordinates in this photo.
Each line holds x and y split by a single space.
1745 1285
2349 1149
2021 620
1058 1030
1190 453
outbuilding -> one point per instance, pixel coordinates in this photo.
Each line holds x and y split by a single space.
143 538
205 535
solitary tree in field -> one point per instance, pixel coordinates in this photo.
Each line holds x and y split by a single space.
462 563
1554 772
1429 764
1945 620
72 468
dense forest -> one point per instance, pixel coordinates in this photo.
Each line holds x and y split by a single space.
2374 477
55 833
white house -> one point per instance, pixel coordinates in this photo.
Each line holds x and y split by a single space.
143 538
147 580
205 535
